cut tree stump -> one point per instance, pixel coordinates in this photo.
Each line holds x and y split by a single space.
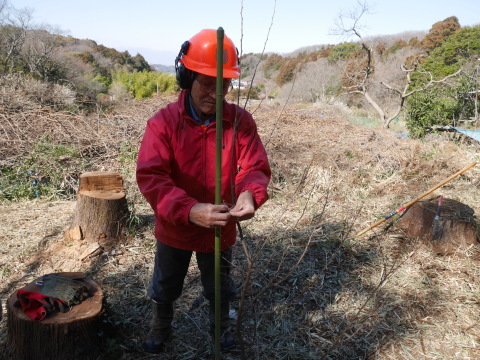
60 336
101 212
455 229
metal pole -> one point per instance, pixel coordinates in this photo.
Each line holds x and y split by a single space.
405 207
218 187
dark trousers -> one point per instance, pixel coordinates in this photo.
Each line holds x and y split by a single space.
171 266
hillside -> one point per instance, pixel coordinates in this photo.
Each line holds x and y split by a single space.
404 77
316 291
164 68
427 80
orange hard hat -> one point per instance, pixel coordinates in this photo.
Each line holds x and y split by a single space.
201 55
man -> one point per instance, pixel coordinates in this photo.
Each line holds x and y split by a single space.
176 174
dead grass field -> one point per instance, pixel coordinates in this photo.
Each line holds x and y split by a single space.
315 290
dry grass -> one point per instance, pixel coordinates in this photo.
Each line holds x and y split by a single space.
315 291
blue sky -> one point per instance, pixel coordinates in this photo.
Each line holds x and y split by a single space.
156 29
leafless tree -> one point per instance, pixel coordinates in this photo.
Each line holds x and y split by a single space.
38 50
24 45
359 74
404 93
14 25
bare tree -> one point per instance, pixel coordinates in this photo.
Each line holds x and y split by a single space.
14 25
38 51
358 74
27 47
404 93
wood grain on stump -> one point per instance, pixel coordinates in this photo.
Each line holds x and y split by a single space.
60 336
456 227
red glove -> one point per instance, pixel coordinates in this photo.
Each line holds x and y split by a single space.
37 306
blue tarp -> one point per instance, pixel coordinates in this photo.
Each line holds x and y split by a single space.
474 134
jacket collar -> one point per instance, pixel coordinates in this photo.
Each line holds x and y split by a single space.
183 103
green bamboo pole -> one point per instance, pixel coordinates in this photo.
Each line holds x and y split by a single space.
218 187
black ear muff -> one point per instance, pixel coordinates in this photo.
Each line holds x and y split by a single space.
184 76
238 56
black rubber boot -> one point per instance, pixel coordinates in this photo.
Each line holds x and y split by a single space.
161 328
227 338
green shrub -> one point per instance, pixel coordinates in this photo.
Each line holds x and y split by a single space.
429 108
443 103
104 80
144 84
399 44
342 51
458 49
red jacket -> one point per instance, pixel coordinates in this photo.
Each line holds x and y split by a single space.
177 165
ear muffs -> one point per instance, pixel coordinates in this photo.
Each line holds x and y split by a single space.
184 76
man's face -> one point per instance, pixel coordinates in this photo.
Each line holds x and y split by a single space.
203 95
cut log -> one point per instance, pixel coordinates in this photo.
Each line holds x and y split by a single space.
456 227
101 212
60 336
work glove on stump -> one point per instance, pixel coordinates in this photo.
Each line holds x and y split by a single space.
160 328
227 338
38 306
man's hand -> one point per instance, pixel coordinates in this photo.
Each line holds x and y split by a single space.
244 209
209 215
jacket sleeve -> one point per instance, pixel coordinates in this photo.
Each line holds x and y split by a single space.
253 168
154 180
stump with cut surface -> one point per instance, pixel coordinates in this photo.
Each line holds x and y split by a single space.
101 212
60 336
455 229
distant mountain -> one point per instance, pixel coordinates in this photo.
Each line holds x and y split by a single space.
153 56
164 68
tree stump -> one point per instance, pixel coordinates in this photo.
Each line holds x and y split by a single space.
455 228
101 212
59 336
